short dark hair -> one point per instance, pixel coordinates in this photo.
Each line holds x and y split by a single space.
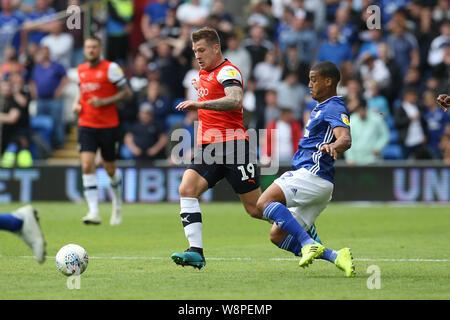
95 38
209 34
327 69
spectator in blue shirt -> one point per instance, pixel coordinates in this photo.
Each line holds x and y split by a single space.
154 12
47 83
370 45
390 7
404 45
348 30
159 103
10 22
301 35
332 50
42 14
377 102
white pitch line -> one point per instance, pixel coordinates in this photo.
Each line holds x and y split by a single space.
242 259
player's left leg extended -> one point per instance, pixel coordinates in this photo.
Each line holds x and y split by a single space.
283 218
307 216
25 223
343 258
191 188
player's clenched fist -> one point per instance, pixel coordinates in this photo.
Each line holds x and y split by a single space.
194 83
443 101
76 108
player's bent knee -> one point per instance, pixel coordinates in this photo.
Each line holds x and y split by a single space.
254 212
261 204
87 168
188 191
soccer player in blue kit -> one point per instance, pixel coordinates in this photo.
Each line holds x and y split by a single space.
295 200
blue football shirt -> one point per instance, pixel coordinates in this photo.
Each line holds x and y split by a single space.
325 116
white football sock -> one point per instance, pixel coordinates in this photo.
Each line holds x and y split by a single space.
192 221
91 192
116 187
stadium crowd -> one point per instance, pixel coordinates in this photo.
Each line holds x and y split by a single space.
391 74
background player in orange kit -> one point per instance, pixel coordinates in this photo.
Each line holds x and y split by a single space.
102 85
221 135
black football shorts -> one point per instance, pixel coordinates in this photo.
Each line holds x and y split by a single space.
107 139
232 160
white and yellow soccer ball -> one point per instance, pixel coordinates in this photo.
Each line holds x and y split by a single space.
72 259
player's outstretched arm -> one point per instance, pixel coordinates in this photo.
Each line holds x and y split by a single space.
343 142
123 94
232 101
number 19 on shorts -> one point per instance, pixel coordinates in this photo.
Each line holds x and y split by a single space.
250 170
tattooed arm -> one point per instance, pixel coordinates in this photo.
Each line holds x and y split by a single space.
232 101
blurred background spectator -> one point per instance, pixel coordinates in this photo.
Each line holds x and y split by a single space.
146 138
282 136
395 69
14 120
370 135
47 82
411 126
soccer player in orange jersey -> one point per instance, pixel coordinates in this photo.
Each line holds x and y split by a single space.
102 85
222 135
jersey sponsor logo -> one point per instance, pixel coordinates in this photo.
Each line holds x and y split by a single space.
345 119
202 92
89 86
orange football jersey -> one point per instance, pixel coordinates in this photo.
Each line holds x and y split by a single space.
100 81
219 126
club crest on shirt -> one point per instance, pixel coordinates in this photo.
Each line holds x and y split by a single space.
232 72
211 76
345 119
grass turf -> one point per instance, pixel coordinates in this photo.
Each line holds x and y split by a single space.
409 244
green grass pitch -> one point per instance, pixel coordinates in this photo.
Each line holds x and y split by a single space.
410 246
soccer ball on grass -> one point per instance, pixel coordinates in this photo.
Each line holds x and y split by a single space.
72 259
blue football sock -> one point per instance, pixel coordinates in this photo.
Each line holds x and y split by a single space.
289 243
10 223
329 255
284 219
